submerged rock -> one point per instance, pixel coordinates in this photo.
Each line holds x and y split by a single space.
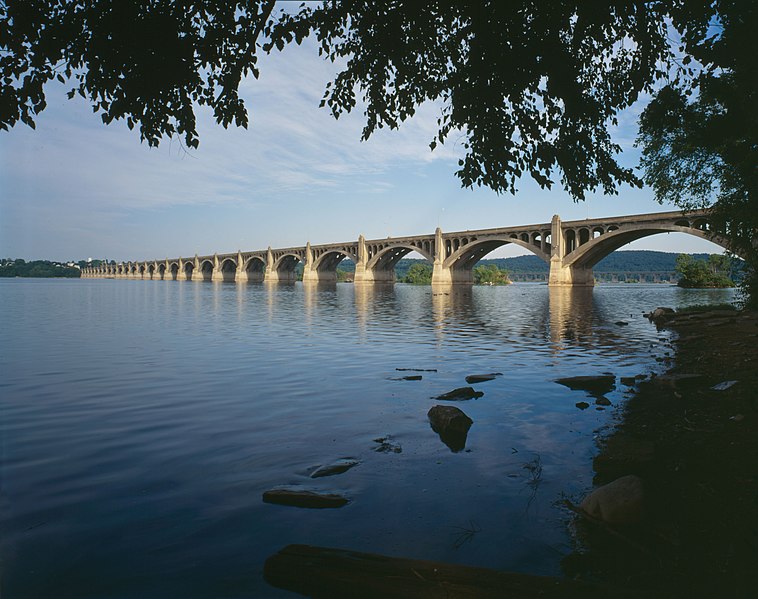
619 502
338 467
593 384
481 378
460 394
306 499
451 424
387 446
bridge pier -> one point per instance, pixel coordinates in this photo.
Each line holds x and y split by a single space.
570 276
560 275
197 273
311 273
365 274
447 275
181 274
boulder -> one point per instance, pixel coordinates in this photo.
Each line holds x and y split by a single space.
302 498
660 315
593 384
338 467
619 502
603 401
481 378
460 394
582 405
451 424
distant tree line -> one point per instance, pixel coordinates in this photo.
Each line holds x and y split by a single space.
38 269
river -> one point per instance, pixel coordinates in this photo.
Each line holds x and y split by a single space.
141 421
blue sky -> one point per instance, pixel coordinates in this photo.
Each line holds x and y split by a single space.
75 188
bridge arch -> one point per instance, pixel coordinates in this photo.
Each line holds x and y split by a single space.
173 271
330 259
468 255
228 268
284 266
255 268
384 259
206 270
591 252
162 270
457 267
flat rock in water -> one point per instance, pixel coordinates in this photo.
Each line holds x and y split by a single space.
594 384
451 424
481 378
582 405
460 394
334 468
300 498
724 386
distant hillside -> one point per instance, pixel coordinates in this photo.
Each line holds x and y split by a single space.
621 265
621 261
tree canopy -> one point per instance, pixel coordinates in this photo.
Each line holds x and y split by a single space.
699 134
531 88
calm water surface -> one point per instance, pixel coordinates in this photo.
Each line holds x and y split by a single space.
141 421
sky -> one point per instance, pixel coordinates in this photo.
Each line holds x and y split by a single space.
75 189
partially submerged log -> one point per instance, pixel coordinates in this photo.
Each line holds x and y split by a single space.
321 572
301 498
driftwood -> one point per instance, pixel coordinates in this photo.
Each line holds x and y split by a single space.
323 573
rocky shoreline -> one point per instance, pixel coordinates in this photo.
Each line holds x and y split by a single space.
691 436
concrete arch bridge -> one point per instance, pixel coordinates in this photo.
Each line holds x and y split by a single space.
571 248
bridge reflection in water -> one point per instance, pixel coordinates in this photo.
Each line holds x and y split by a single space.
571 249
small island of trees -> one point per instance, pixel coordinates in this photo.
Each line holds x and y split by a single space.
714 272
420 273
